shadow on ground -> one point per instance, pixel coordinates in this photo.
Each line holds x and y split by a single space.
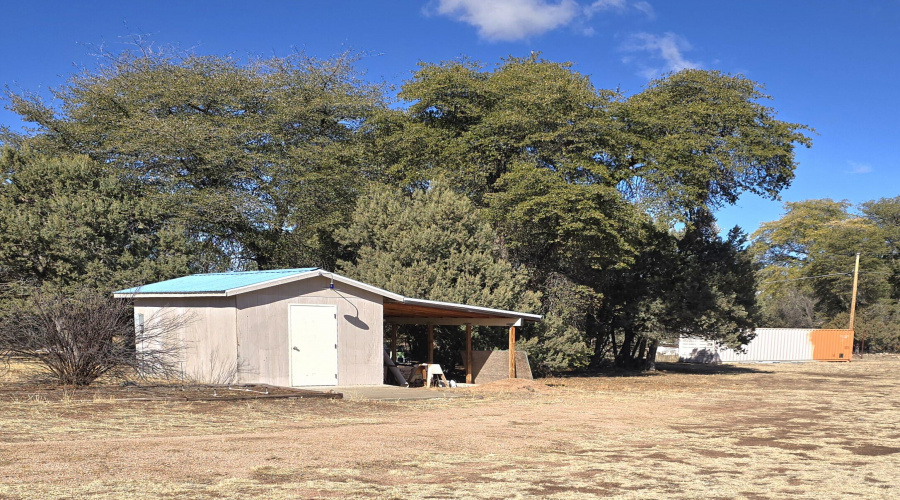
709 369
667 368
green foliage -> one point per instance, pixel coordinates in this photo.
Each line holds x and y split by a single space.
876 327
474 126
782 248
562 341
809 254
263 157
72 222
557 226
262 165
695 284
699 139
568 173
434 245
716 287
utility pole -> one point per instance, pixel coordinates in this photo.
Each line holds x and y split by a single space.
853 300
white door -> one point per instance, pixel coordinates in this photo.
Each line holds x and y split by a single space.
313 344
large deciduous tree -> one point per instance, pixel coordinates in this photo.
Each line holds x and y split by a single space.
263 156
700 139
569 173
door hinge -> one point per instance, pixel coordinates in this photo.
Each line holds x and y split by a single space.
335 346
335 375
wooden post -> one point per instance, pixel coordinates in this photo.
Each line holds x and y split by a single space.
430 343
853 299
862 342
512 352
394 342
468 354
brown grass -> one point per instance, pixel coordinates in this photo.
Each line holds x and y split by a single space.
754 431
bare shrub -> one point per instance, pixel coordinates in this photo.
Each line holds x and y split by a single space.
81 337
217 369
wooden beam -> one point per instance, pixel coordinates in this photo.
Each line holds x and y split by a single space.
430 343
414 320
394 342
512 352
468 354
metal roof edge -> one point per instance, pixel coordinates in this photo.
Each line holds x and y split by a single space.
272 282
363 286
312 274
160 295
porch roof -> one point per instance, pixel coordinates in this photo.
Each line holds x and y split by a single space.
420 311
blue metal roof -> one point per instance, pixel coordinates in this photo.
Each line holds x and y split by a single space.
215 282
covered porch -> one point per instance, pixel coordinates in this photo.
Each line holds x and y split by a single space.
430 313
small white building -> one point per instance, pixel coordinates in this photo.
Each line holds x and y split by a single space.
297 327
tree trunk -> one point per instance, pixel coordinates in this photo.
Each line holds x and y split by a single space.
650 360
603 342
642 347
624 356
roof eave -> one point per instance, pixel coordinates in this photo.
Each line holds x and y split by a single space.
266 284
455 321
474 309
159 295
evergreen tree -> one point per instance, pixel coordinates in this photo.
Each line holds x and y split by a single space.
431 244
434 244
70 222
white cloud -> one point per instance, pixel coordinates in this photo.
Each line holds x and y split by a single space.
601 5
859 168
510 19
619 6
646 9
667 48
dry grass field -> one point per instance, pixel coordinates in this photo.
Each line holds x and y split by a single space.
810 430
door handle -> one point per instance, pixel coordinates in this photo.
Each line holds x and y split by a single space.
296 349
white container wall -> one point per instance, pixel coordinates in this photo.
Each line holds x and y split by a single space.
697 350
773 344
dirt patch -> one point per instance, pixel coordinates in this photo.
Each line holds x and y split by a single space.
135 392
874 450
720 454
515 385
759 432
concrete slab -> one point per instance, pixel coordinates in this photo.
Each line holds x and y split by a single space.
388 392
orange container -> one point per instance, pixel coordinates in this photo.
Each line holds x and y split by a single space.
832 345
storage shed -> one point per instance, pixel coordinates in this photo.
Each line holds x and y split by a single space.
773 344
297 327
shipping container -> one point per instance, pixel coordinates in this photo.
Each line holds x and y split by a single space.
773 344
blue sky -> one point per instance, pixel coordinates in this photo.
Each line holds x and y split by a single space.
834 65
